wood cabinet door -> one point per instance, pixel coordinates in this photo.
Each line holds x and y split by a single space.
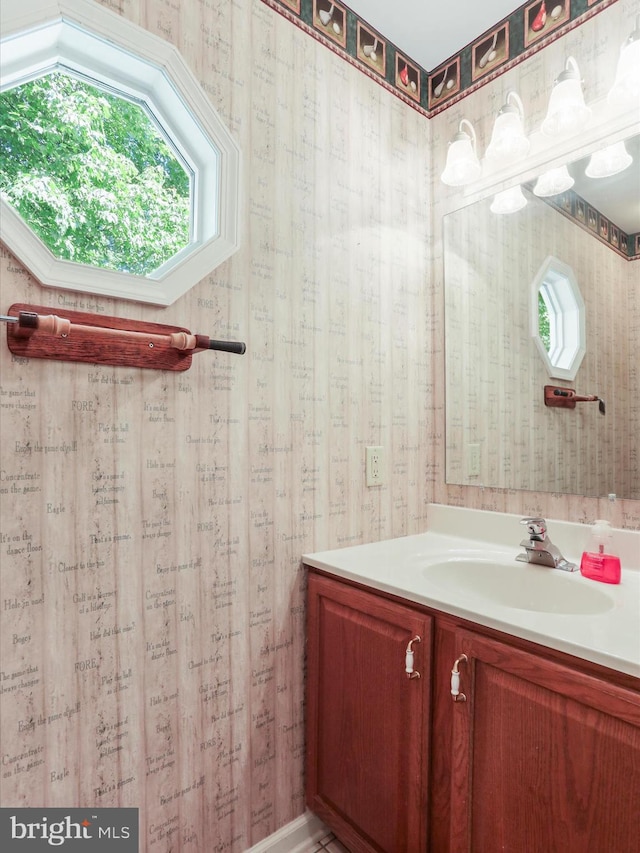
545 757
367 721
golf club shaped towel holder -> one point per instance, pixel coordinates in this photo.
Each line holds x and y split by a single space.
566 398
34 332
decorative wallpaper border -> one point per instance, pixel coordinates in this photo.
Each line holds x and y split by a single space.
510 41
527 30
579 211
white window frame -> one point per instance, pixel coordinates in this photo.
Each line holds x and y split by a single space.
94 43
557 284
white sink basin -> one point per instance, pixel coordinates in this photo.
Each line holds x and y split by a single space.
465 564
519 585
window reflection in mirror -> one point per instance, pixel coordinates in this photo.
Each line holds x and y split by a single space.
92 175
558 319
544 330
495 370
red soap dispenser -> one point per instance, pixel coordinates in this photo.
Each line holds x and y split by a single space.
599 561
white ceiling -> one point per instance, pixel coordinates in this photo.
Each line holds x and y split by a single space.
430 31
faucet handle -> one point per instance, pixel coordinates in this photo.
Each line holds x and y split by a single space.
536 527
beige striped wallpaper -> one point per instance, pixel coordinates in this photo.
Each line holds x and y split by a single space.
152 628
496 376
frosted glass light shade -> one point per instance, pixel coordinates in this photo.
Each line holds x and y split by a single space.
609 161
626 85
508 201
508 139
462 164
567 112
553 182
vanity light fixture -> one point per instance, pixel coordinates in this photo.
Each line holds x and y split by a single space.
462 164
553 182
626 85
567 112
508 139
508 201
609 161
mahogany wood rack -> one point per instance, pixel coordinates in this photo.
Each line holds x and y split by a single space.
566 398
34 332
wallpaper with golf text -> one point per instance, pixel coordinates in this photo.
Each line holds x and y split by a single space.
496 375
153 601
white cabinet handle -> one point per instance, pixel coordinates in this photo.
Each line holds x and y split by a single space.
408 659
455 680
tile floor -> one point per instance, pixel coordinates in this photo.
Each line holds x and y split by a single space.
330 843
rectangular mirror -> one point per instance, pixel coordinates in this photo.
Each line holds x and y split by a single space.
499 432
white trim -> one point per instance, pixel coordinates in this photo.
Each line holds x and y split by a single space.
294 837
560 291
99 44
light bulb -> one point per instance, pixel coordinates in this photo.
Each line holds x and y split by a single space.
567 112
508 139
508 201
626 86
609 161
462 164
553 182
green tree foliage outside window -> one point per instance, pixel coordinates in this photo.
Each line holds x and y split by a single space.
544 325
92 175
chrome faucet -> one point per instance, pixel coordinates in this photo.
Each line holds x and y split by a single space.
539 549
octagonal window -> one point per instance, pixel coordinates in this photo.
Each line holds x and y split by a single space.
558 322
162 194
93 175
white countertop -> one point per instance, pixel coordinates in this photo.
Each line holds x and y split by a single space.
401 567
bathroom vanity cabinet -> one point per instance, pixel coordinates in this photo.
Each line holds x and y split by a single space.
367 721
543 752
